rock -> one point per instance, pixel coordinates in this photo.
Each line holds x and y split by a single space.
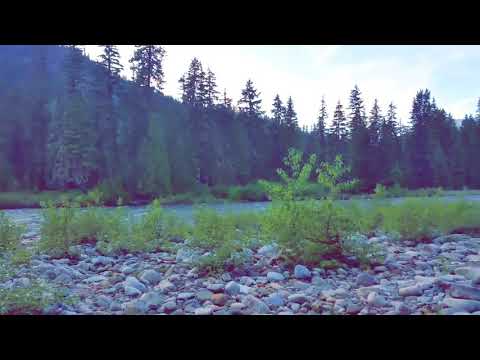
402 309
152 300
245 289
414 290
131 291
226 277
472 273
461 313
365 279
375 299
204 311
320 282
236 308
136 307
165 286
204 295
115 306
297 298
246 280
295 307
216 288
151 277
464 292
270 250
232 288
103 301
256 305
451 238
169 307
275 276
462 304
301 272
186 255
133 282
275 301
94 279
127 270
185 295
219 299
22 282
102 260
353 309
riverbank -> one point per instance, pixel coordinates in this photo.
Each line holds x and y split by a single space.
216 195
442 277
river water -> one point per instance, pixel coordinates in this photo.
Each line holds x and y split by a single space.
32 218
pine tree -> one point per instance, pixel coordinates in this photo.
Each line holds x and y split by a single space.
250 102
193 84
211 93
226 101
278 111
374 156
147 66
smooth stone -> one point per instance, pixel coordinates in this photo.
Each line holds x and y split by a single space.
136 307
295 307
169 307
353 309
127 270
236 308
204 295
274 301
256 305
131 291
232 288
464 292
151 277
297 298
226 277
94 279
165 286
185 295
366 279
374 299
152 300
115 306
270 250
275 276
135 283
103 301
301 272
451 238
219 299
102 260
462 304
414 290
204 311
216 288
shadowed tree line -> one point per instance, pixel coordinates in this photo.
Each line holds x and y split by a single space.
69 122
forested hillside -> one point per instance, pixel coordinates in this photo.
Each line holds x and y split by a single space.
69 122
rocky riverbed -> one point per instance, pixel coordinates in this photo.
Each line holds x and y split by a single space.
442 277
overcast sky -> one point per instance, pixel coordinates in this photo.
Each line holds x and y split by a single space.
387 72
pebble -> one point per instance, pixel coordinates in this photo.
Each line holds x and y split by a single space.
232 288
301 272
256 305
275 276
366 279
151 277
133 282
219 299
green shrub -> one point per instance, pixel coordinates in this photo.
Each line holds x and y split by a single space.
250 192
217 234
10 234
380 192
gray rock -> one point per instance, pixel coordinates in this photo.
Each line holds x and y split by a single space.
232 288
295 307
414 290
204 295
301 272
245 289
94 279
152 300
204 311
22 282
132 281
169 307
226 277
185 295
451 238
465 292
366 279
462 304
216 288
127 270
103 301
374 299
256 305
275 276
151 277
402 309
320 282
274 301
131 291
135 307
298 298
353 309
236 308
115 306
165 286
270 250
102 260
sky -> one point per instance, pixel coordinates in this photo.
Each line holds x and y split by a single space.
390 73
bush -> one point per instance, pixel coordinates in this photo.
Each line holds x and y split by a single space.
250 192
217 234
10 234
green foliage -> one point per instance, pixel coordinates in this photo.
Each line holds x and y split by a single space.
10 234
250 192
331 176
380 192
